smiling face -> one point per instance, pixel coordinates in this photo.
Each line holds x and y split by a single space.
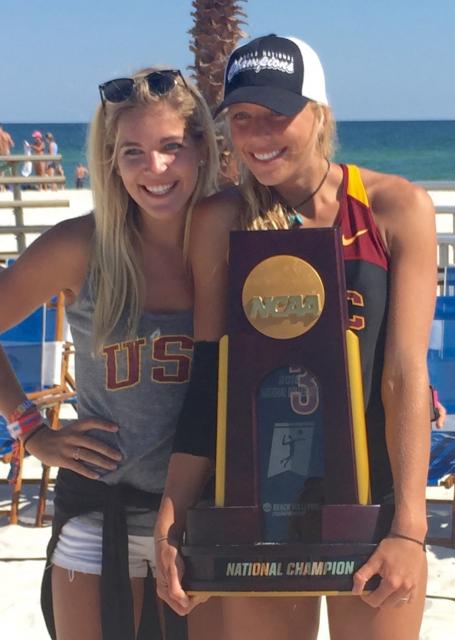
275 148
156 160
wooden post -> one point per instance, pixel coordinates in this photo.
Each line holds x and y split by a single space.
18 211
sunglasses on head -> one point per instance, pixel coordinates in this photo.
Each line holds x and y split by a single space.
158 82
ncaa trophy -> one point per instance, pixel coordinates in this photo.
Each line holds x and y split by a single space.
291 508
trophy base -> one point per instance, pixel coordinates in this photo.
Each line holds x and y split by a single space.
223 553
310 569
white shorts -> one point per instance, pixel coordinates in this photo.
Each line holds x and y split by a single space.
79 548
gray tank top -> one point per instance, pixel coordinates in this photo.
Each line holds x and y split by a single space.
139 384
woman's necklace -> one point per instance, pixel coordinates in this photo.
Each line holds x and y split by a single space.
295 218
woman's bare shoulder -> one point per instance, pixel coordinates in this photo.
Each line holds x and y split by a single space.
219 212
402 210
388 192
57 261
62 253
77 231
213 220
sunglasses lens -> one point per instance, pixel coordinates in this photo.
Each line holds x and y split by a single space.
161 83
118 90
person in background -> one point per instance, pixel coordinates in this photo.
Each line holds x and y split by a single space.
27 168
282 128
128 296
6 144
440 412
80 174
53 167
38 148
442 415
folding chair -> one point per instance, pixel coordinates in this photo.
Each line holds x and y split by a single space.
441 353
442 473
59 385
449 280
23 346
441 366
41 366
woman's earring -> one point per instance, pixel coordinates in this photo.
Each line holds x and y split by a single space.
202 163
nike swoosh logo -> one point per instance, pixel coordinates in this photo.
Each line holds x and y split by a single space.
348 241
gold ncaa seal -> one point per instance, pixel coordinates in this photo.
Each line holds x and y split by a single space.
283 297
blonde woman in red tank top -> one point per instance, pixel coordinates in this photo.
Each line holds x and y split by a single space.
281 128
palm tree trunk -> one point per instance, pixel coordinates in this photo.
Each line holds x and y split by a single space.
216 32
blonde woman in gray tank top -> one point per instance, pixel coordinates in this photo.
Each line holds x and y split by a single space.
128 298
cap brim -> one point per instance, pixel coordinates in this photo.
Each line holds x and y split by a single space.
285 102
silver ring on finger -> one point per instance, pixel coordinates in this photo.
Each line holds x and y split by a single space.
77 454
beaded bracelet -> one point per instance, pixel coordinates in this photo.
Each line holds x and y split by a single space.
16 454
24 424
21 409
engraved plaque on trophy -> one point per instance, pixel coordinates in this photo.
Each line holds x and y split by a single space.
292 508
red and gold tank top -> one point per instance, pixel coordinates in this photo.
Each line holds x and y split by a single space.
367 281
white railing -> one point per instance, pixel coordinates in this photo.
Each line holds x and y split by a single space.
11 178
445 218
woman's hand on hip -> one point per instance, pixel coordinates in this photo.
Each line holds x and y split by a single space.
72 448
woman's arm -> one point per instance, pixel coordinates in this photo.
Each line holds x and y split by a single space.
405 216
186 478
53 263
187 473
57 261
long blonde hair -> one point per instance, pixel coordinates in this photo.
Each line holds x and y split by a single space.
116 277
263 209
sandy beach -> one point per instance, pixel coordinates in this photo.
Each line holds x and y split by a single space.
81 202
22 546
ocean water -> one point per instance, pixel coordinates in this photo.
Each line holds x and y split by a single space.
417 150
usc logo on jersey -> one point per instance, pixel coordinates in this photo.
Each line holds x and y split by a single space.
123 361
355 301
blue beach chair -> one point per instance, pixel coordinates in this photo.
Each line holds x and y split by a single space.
449 280
441 354
23 346
442 458
441 366
442 473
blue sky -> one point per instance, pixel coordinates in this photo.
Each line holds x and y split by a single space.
384 59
